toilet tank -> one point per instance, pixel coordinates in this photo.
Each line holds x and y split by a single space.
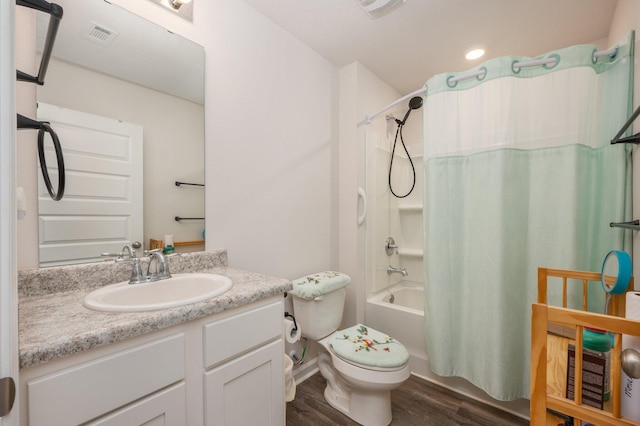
320 316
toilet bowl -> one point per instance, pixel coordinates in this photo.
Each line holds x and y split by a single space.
361 392
361 365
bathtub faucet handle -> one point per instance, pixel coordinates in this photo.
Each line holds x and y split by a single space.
390 246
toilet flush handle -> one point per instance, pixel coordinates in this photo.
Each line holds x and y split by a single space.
319 298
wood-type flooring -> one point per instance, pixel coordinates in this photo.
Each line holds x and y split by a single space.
417 402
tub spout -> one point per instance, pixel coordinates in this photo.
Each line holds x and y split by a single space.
392 270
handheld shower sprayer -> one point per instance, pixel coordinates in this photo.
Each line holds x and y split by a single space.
414 103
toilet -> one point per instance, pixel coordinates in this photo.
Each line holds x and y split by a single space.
361 365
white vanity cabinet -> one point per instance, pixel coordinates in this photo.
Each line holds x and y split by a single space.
244 381
84 388
225 369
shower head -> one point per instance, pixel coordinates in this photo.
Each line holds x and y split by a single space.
414 103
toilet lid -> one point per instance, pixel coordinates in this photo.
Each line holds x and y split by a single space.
364 345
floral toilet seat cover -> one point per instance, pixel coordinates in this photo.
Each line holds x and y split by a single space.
316 285
364 345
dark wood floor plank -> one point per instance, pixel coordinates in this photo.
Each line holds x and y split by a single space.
416 403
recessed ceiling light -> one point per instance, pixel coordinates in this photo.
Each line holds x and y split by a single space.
474 54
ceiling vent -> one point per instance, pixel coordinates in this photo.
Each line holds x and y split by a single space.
378 8
100 34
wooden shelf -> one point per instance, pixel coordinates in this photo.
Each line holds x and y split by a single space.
188 243
158 244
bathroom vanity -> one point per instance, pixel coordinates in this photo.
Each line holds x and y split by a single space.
215 362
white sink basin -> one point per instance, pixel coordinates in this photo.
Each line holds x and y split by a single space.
180 289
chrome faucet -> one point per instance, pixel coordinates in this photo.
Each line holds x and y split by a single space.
162 266
392 270
128 254
137 276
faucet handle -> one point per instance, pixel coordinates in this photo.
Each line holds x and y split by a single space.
161 251
136 272
390 246
119 257
128 250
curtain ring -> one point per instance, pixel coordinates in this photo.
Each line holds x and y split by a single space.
46 128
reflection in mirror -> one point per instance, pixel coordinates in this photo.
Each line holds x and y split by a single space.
111 66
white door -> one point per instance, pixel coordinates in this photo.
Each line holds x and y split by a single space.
101 210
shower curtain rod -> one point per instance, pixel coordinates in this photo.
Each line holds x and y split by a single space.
368 118
535 62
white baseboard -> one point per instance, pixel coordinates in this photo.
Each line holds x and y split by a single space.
305 370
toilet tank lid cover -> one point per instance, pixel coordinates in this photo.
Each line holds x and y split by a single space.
312 286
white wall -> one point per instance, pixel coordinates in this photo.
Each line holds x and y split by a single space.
626 18
271 151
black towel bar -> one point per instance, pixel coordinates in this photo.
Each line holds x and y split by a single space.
178 218
186 183
633 225
43 127
55 11
631 139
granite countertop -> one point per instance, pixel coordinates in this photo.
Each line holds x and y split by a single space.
56 324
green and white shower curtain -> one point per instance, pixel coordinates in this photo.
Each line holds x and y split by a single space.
518 174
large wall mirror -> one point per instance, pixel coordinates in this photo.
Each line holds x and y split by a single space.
109 64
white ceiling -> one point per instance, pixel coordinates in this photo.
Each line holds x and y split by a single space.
428 37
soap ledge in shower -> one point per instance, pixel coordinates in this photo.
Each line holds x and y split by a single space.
410 208
410 252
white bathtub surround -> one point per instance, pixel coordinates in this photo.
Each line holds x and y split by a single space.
402 220
529 179
404 296
388 216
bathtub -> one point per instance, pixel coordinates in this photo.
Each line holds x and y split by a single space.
399 312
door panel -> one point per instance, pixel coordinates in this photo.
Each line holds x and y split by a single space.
101 210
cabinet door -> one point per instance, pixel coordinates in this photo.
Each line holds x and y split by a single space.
248 390
164 408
